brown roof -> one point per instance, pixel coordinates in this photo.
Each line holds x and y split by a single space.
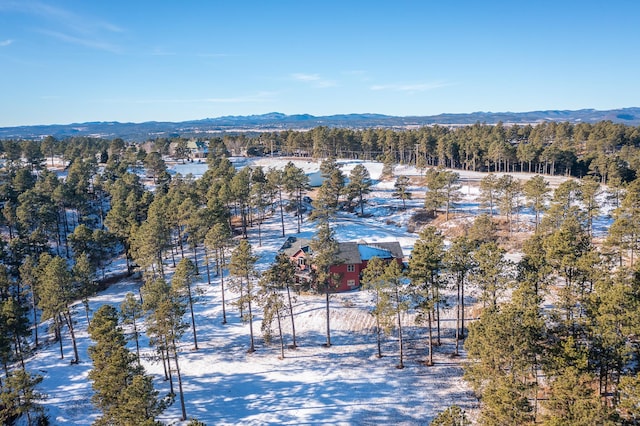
293 244
349 251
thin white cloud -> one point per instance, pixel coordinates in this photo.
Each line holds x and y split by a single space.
410 88
68 26
93 44
63 17
315 80
305 77
5 43
158 51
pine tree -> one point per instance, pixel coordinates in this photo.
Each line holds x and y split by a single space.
181 284
83 276
491 272
509 191
625 228
452 416
359 186
131 312
482 230
327 202
536 191
259 198
629 391
458 262
504 358
275 179
393 275
572 401
219 239
489 192
19 397
14 329
296 183
282 274
242 265
373 279
325 251
165 326
123 393
273 305
56 294
424 270
504 402
401 187
588 194
443 190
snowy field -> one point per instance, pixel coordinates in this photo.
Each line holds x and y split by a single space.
343 384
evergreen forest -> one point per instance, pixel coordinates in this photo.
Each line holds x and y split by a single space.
552 338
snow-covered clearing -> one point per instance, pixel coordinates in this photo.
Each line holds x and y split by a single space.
342 384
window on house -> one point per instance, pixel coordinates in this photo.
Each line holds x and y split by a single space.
351 268
351 283
301 261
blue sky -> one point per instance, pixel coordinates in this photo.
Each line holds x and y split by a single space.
132 61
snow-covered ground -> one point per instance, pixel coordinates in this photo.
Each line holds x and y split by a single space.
342 384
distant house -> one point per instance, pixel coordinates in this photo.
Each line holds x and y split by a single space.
353 258
197 148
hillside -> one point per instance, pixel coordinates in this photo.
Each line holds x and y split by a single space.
277 121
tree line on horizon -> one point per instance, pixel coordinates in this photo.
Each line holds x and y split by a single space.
604 149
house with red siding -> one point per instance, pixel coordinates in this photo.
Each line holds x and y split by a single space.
353 258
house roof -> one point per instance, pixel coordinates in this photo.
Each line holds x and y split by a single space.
294 244
368 252
351 252
393 247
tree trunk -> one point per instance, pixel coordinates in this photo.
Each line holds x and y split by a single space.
281 211
76 359
135 335
280 333
175 358
34 306
437 315
400 339
251 347
224 310
193 318
18 349
462 308
378 335
58 333
328 317
430 360
293 325
299 216
166 356
457 350
195 258
206 262
173 250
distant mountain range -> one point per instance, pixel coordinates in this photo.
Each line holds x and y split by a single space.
277 121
